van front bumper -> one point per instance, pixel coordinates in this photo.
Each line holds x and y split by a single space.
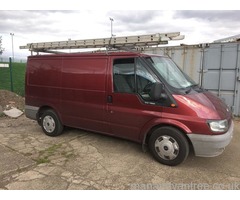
211 145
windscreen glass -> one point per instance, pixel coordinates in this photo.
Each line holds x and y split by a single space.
170 72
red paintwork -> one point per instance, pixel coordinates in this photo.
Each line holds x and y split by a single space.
194 109
76 86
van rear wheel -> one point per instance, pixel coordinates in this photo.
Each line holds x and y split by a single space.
168 146
50 123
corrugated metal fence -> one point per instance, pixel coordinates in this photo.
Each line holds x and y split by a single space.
214 66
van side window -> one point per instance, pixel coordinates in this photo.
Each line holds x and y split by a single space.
144 81
129 77
124 75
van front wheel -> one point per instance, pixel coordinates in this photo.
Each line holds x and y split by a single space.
168 146
50 123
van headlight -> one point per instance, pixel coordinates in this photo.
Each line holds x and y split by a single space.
218 125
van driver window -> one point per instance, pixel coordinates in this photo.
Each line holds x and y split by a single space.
127 79
144 81
124 75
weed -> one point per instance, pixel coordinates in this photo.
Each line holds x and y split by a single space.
45 154
42 160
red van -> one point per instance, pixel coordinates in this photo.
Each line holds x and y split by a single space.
140 97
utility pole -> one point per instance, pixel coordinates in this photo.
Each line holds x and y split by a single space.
1 49
12 34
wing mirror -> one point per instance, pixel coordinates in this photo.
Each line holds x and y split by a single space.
156 91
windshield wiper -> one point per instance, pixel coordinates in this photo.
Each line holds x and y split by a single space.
189 88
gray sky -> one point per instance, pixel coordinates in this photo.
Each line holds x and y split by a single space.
198 26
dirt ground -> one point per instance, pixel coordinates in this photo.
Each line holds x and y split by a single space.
79 160
8 99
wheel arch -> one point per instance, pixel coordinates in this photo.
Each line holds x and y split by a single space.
44 108
174 124
50 122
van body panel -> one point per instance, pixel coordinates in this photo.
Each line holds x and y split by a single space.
156 122
127 115
195 109
43 77
80 88
204 105
83 94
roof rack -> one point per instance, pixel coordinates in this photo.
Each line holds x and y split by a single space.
113 42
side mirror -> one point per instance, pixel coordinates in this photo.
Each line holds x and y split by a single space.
156 91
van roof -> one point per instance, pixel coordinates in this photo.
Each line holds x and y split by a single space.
91 54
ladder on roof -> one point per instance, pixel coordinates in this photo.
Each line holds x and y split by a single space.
113 42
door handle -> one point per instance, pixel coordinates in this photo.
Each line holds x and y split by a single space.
109 99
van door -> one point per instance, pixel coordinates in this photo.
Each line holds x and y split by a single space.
83 101
128 104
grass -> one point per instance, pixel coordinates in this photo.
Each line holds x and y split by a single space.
42 161
18 77
45 154
54 150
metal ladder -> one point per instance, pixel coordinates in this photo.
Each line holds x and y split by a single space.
113 42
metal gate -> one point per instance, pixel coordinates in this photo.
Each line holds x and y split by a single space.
221 72
214 66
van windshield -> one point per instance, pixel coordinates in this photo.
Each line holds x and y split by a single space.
170 72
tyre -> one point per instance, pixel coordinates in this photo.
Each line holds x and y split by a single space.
50 123
168 146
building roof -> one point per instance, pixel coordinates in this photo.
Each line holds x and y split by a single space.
234 38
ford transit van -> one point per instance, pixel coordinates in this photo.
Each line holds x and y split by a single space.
140 97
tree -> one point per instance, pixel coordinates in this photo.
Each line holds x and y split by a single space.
1 49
